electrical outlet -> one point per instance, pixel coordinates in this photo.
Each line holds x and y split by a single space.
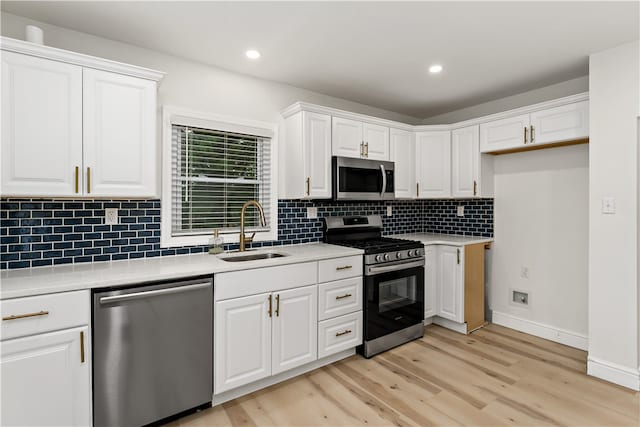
312 212
460 211
111 216
524 272
389 210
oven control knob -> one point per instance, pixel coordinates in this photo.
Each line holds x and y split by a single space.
411 253
378 258
386 257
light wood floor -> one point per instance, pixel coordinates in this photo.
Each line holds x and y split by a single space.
495 376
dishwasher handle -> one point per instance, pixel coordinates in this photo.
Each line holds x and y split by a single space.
153 293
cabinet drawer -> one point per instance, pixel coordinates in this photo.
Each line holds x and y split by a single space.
339 268
43 313
260 280
340 297
339 333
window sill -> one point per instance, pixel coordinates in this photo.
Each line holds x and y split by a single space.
203 240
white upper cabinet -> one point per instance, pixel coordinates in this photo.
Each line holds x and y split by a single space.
465 162
346 138
504 134
306 156
71 130
41 127
376 141
119 135
433 164
353 138
403 153
565 123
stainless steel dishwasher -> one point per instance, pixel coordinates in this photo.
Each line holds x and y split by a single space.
152 351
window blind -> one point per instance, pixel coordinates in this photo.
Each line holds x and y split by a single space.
213 174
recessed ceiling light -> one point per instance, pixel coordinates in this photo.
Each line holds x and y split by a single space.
435 69
252 54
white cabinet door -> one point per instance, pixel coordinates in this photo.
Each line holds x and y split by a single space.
41 126
504 134
317 154
433 164
376 140
465 162
403 155
430 280
346 137
45 381
242 340
295 328
565 123
119 135
450 283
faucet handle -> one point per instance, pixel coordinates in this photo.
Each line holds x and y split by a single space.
249 239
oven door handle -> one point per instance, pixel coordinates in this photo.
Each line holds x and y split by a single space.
377 269
384 181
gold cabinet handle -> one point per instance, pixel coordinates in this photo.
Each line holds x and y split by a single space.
366 148
475 187
24 316
308 186
344 267
532 134
417 189
278 305
525 135
81 346
345 332
77 178
270 305
361 148
88 180
458 255
339 297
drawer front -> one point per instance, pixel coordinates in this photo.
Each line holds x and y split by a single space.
44 313
260 280
340 297
339 333
339 268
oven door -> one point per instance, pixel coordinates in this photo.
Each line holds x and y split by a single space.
361 179
394 297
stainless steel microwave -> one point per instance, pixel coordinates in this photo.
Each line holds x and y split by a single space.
362 179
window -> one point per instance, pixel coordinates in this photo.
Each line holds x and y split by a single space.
211 169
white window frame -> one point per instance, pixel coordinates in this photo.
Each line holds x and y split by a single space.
181 116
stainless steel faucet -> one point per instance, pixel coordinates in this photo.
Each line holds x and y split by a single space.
244 239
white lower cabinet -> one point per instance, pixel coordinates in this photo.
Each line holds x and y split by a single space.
45 360
294 333
242 341
430 281
339 333
450 287
46 379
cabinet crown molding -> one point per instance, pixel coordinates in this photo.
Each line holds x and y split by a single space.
61 55
305 106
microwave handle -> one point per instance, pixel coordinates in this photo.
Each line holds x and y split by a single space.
384 181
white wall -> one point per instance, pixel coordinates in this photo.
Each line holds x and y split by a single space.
614 320
193 85
547 93
541 223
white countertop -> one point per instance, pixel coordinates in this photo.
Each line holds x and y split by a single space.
64 278
444 239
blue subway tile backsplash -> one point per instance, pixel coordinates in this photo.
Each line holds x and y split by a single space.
35 232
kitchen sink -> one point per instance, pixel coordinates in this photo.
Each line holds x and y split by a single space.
253 257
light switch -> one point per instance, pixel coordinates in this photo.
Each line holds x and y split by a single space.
608 205
460 211
312 212
389 210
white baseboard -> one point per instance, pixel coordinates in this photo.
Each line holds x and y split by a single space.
562 336
266 382
428 321
450 324
614 373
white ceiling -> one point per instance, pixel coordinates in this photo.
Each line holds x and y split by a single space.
376 53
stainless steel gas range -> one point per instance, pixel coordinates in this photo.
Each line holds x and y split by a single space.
393 281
